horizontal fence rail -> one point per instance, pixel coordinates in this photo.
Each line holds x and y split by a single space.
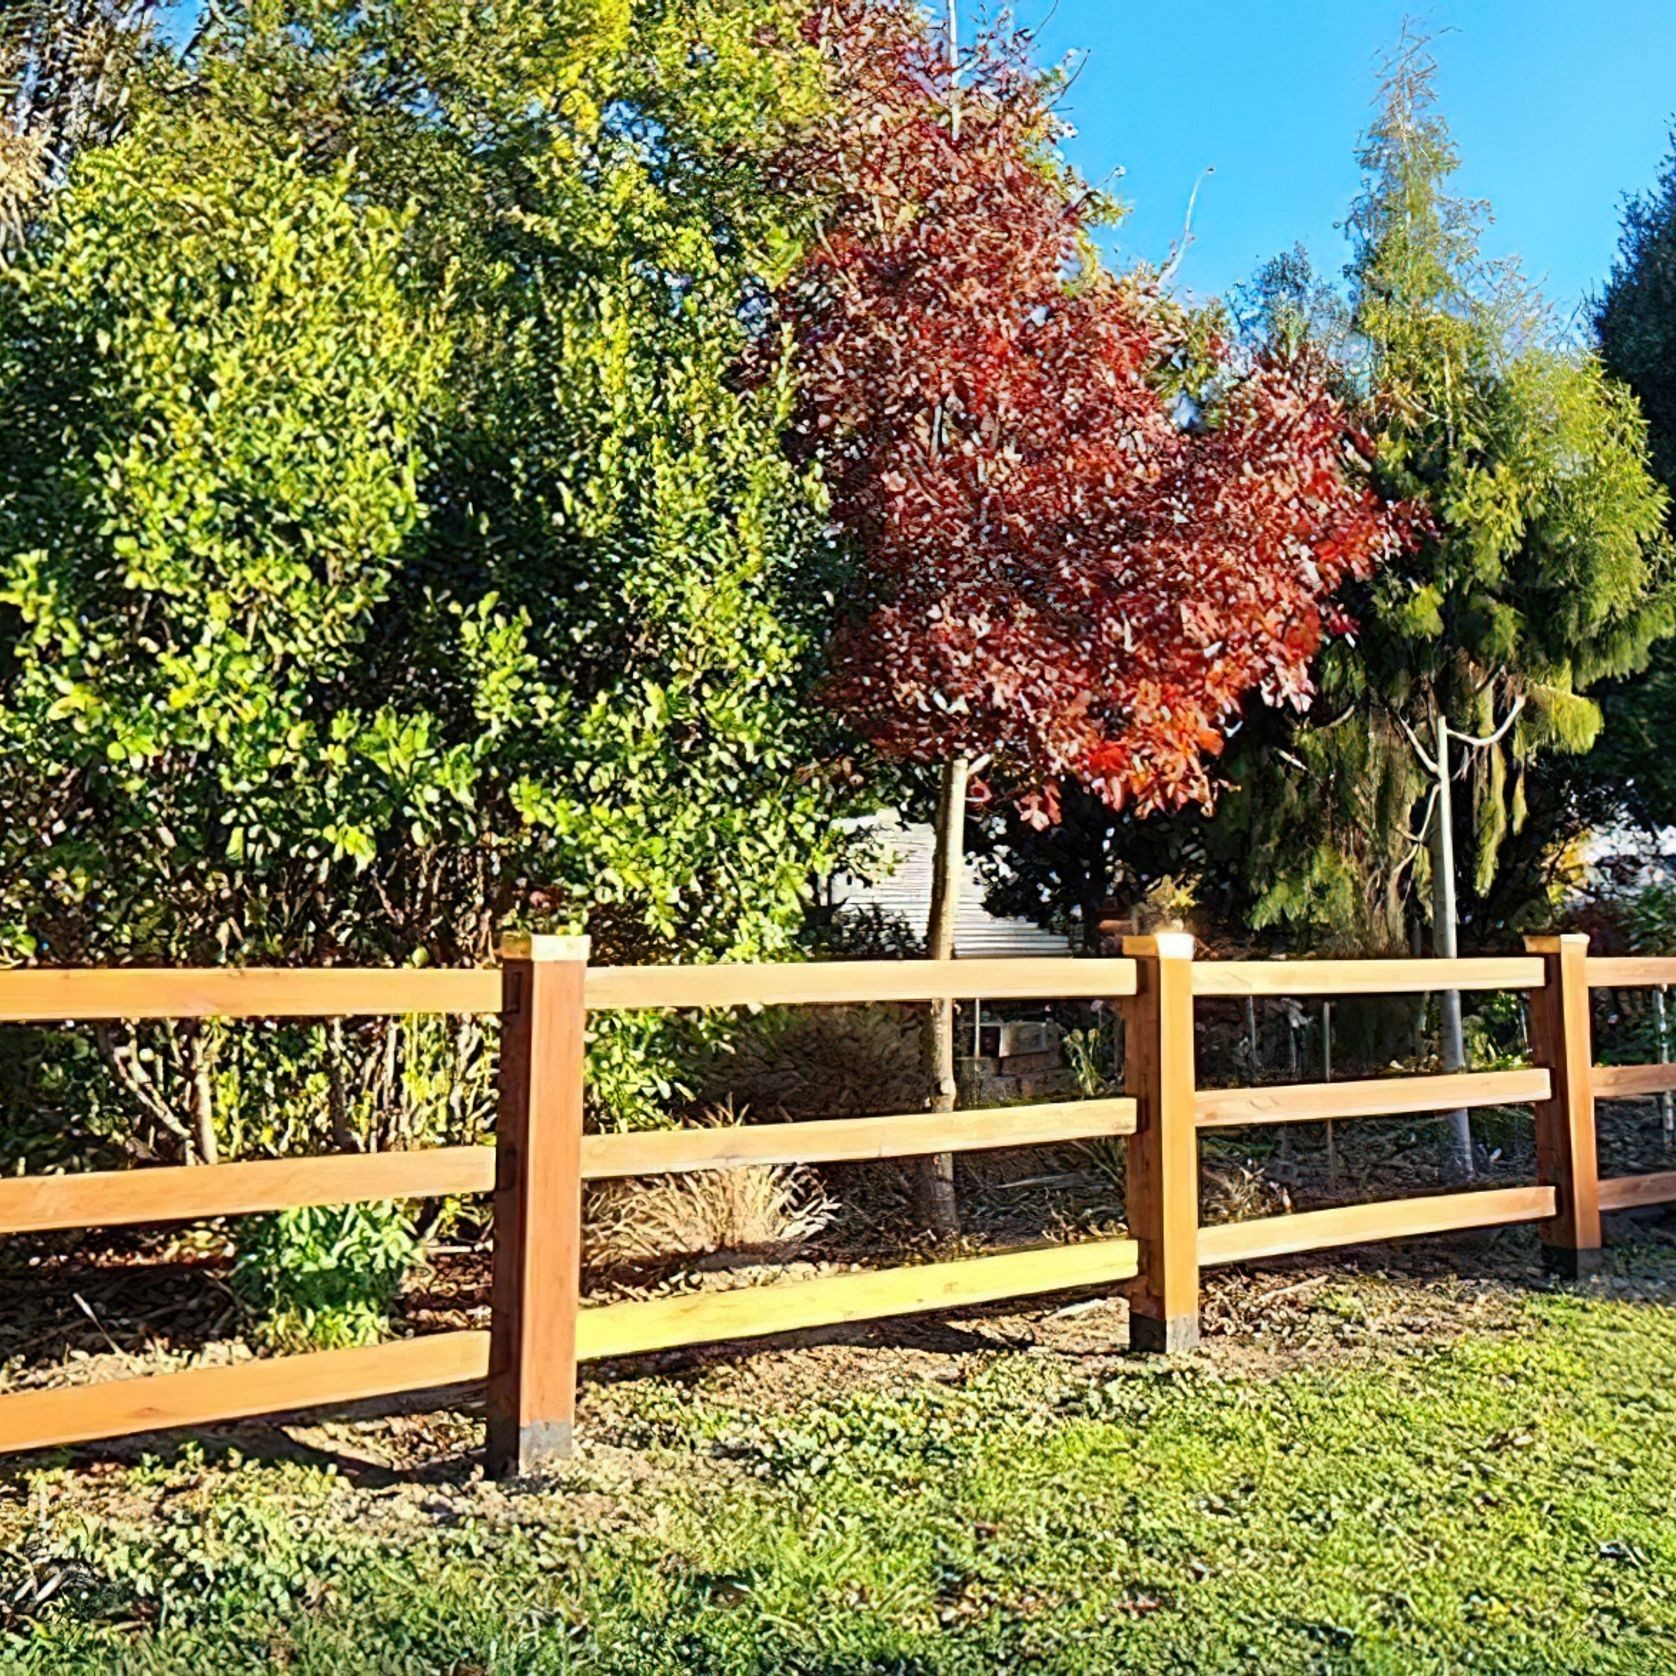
667 1151
1310 1102
1390 1219
204 1396
189 1193
543 990
1362 977
833 983
42 996
631 1329
1630 971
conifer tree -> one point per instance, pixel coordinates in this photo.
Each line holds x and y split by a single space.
1540 567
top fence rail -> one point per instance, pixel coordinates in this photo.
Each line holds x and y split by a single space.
46 995
1363 977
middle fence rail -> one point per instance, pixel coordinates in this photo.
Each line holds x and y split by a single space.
543 990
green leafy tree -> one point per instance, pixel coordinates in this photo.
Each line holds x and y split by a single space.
400 555
211 392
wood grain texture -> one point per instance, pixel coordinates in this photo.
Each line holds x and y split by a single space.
662 1152
1628 1082
1629 1192
1305 1102
786 983
1389 1219
1362 977
1561 1032
531 1398
1630 972
114 1198
1162 1188
631 1329
204 1396
50 995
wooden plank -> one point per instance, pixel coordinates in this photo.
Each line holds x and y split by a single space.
52 995
1628 1082
1561 1031
660 1152
176 1193
1363 977
1162 1188
207 1396
1389 1219
832 982
1630 972
1308 1102
1629 1192
632 1329
537 1278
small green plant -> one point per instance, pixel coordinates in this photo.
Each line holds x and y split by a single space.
324 1276
1091 1055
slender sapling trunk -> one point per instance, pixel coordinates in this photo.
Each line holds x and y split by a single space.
1444 941
941 1208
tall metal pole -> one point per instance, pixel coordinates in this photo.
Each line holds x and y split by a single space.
1444 946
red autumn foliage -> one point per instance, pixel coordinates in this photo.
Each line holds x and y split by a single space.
1057 574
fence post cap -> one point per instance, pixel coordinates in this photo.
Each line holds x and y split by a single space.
532 945
1166 945
1550 942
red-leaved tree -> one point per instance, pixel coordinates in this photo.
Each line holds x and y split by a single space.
1063 571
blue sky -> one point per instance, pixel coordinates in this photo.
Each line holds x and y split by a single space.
1559 107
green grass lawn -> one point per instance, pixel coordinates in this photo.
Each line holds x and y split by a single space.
1499 1498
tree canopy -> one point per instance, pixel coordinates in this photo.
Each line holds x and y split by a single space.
1058 575
1541 569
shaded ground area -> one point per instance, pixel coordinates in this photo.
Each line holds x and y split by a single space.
1398 1459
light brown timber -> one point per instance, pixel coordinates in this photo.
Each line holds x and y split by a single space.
39 995
206 1396
830 983
631 1329
531 1399
1162 1183
661 1152
1390 1219
1306 1102
180 1193
1630 1192
1630 971
1566 1153
1627 1082
1362 977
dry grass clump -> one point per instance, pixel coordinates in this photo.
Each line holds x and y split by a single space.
814 1062
766 1211
1239 1193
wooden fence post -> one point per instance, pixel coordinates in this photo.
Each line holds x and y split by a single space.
538 1204
1163 1177
1562 1042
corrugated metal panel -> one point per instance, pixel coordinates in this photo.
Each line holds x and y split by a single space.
906 894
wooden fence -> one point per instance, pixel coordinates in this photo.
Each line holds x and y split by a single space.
543 990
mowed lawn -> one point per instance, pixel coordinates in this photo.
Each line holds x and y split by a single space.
1497 1497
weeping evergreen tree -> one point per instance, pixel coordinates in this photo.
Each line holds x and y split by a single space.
1538 566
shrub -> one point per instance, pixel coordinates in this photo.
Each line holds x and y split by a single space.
324 1277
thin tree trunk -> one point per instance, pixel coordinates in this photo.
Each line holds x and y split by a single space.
941 1208
1444 944
337 1101
203 1098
